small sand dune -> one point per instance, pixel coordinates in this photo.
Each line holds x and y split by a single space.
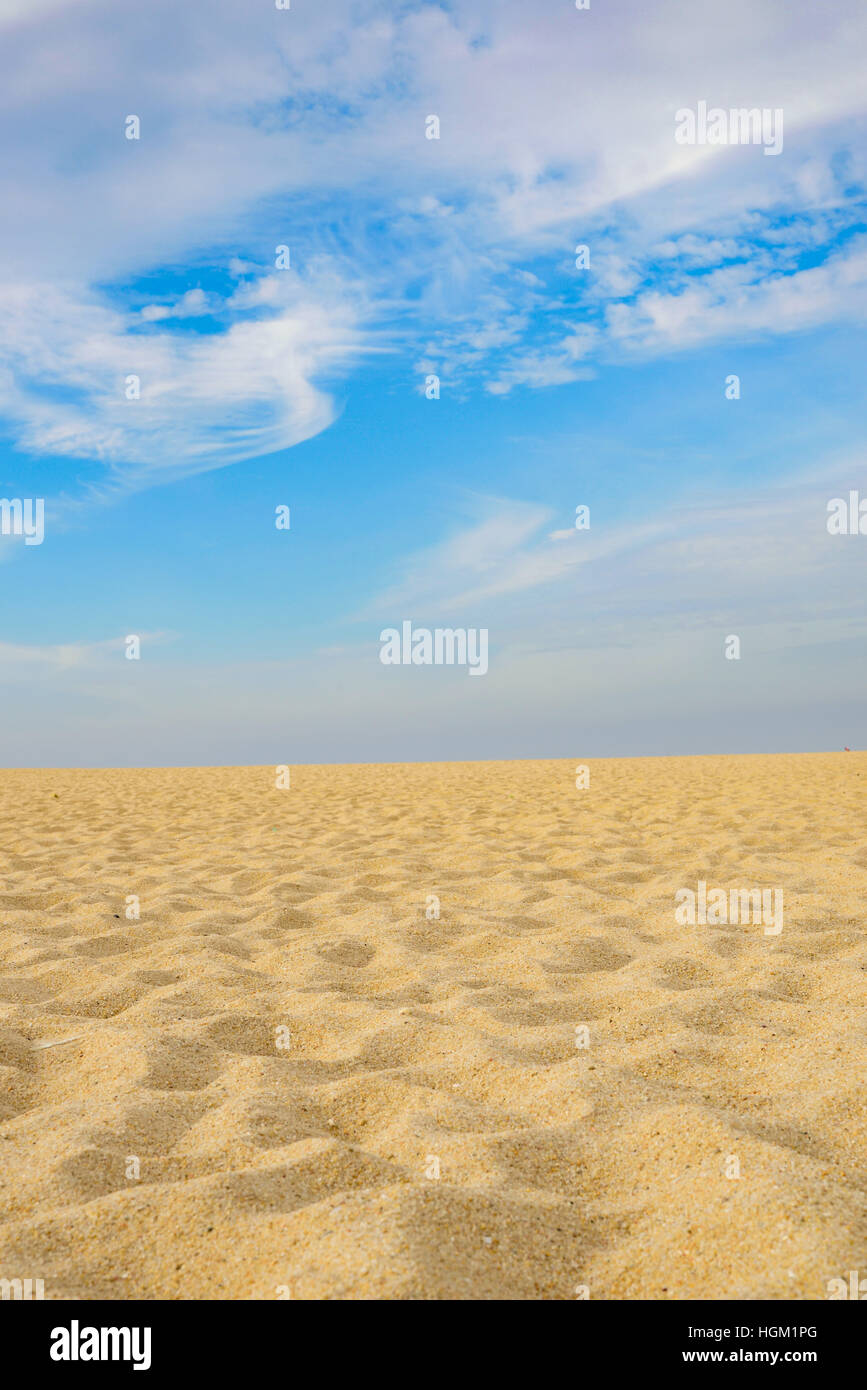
433 1031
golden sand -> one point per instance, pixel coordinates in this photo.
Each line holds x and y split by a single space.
257 1082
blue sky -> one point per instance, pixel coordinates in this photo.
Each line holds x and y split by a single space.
560 386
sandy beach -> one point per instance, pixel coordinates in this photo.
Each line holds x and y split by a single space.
433 1031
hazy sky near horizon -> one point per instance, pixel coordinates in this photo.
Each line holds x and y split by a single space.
560 386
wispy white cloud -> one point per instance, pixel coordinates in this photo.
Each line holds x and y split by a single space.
21 659
191 305
606 641
766 543
204 400
556 126
556 367
735 300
